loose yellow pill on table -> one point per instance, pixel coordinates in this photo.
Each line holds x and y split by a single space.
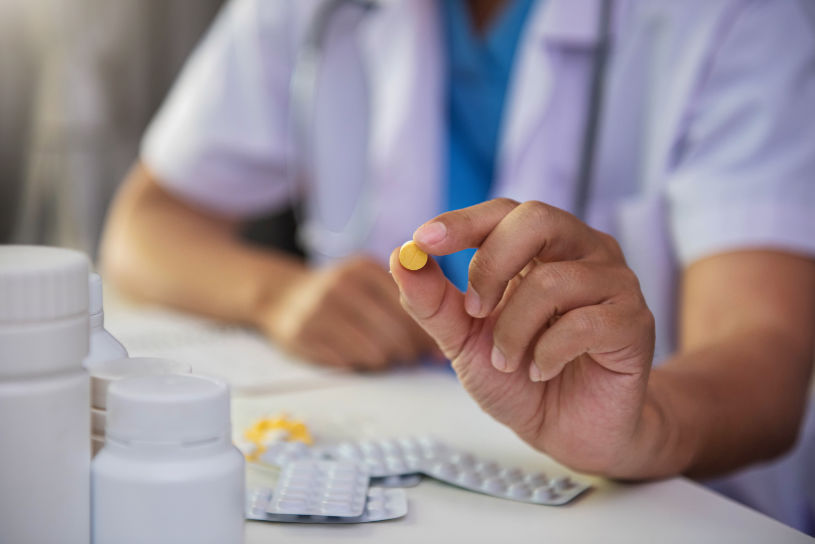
411 256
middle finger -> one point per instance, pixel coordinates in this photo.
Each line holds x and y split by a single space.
550 290
532 230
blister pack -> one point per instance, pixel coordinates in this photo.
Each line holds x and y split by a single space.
320 488
426 455
380 505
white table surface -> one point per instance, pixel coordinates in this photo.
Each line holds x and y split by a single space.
422 401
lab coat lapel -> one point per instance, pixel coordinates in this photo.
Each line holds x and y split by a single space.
401 48
554 24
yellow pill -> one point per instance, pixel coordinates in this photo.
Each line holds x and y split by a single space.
411 256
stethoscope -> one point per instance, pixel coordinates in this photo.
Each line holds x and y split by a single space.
314 235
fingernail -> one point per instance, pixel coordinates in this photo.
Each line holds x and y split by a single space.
472 302
535 373
498 359
430 234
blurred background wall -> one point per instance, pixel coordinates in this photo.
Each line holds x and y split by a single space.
79 81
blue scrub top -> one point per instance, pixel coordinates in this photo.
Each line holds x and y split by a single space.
478 73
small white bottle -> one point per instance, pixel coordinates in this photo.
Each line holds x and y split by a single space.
168 472
44 396
104 373
104 347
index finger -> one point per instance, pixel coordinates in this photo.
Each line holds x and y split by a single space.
555 234
509 235
461 229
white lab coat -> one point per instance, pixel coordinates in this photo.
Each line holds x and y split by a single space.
707 140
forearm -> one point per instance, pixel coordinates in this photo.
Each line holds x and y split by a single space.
158 249
715 408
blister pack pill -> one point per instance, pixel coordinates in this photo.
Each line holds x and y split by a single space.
320 488
381 504
388 456
280 454
426 455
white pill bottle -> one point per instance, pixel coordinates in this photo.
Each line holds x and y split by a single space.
104 347
44 396
168 472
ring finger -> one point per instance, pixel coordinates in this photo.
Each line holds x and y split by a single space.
547 291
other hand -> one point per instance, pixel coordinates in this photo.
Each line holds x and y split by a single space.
346 315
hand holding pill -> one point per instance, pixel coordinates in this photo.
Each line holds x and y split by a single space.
553 337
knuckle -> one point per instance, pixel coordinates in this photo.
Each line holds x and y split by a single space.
629 280
537 211
484 265
578 272
457 219
636 306
506 202
588 323
648 320
549 277
611 245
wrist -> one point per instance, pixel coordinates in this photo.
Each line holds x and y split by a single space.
273 283
661 445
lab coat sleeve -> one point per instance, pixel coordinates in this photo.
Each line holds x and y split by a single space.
220 140
744 173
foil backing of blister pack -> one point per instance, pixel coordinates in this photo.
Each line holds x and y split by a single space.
381 504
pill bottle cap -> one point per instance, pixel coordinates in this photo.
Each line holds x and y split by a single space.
106 372
172 409
95 293
42 284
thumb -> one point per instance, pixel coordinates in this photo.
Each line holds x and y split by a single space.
434 303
